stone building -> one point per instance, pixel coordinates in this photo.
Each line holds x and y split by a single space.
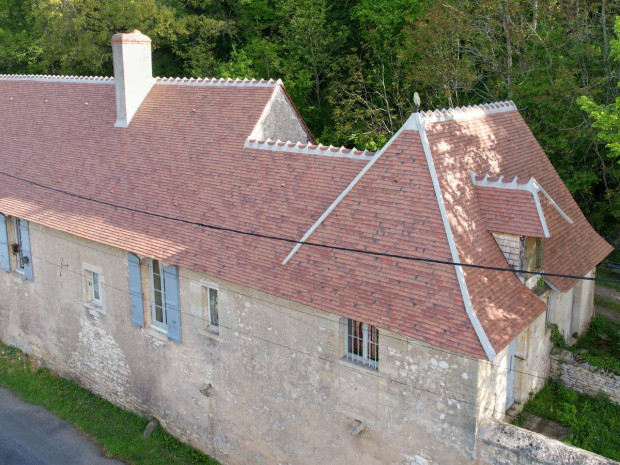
151 241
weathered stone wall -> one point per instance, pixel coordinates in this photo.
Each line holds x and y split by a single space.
559 311
532 359
583 377
280 121
531 370
504 444
510 245
281 392
583 305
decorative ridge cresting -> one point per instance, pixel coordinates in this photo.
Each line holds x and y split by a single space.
307 148
218 82
158 80
467 112
54 78
530 185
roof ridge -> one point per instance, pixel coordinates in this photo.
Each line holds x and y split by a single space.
55 78
218 82
159 80
467 112
307 148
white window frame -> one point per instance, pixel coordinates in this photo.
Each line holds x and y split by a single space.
369 356
163 326
90 301
209 324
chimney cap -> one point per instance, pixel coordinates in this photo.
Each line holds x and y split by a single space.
134 36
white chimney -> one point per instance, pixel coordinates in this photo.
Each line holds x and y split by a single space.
133 74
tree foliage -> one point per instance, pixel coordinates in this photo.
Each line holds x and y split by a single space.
352 66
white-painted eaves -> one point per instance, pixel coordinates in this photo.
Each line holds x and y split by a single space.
419 124
344 193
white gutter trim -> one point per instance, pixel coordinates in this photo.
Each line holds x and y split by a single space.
469 308
345 192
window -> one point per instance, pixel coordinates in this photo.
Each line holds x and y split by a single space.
93 289
15 241
158 290
163 304
18 248
210 309
362 343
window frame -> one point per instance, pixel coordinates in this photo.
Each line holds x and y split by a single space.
209 324
90 301
369 340
163 326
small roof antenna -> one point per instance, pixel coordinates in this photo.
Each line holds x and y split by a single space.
416 102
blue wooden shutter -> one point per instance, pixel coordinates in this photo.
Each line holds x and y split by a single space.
173 311
5 260
135 290
25 246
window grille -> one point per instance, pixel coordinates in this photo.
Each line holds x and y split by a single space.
362 344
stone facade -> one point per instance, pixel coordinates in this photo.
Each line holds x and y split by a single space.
583 377
281 392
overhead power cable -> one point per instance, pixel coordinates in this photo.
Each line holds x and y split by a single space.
296 241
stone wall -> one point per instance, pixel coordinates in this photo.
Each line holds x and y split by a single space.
583 377
281 391
560 311
504 444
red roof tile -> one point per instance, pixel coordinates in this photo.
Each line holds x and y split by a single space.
509 211
185 155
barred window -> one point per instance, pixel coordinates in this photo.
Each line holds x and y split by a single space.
362 343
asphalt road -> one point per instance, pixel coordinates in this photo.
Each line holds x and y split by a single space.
30 435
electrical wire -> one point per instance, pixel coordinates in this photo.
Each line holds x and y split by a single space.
323 359
270 305
296 241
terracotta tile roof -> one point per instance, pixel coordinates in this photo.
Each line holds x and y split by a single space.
509 211
186 155
501 143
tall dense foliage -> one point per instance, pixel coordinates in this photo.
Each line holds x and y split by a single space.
352 66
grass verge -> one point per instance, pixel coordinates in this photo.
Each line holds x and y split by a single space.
117 431
602 271
607 303
599 345
594 422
